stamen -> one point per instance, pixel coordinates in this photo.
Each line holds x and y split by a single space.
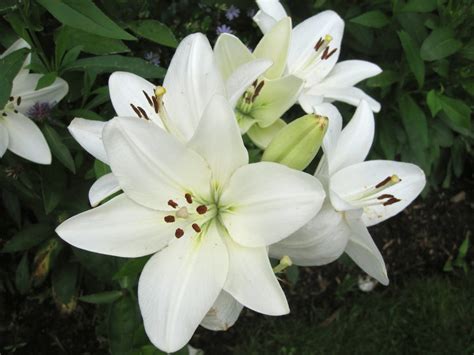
196 227
147 98
318 44
383 182
327 55
11 98
201 209
18 101
136 110
257 90
179 233
169 219
160 91
391 201
172 204
384 196
156 106
143 112
188 198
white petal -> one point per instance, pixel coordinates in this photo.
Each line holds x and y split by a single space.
307 102
120 227
218 140
151 165
230 54
223 313
243 77
266 202
264 21
263 136
362 249
321 241
19 44
307 34
3 139
350 95
252 282
272 8
25 138
355 140
88 133
192 79
334 126
351 72
104 187
127 89
179 285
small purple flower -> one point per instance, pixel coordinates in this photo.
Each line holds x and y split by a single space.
223 29
40 111
152 57
232 13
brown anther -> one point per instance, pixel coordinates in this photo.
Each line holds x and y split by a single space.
325 53
328 55
11 98
147 98
196 227
172 204
179 233
18 101
254 84
383 182
143 112
318 44
156 106
384 196
391 201
169 219
134 108
201 209
4 114
189 198
16 111
257 90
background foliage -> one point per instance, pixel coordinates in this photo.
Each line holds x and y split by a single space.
425 48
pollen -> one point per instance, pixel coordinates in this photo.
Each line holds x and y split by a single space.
196 228
188 198
328 38
172 204
201 209
169 219
178 233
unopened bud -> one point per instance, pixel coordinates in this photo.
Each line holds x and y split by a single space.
297 144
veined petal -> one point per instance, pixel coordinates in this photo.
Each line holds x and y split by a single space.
321 241
104 187
218 141
362 249
251 280
179 285
25 139
88 133
350 72
230 54
263 136
266 202
223 313
3 138
120 227
243 77
350 95
276 97
192 79
151 165
274 46
272 8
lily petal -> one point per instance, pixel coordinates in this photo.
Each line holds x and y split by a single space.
266 202
3 139
264 21
230 54
179 285
25 139
88 133
19 44
120 227
350 95
263 136
223 313
350 72
362 249
151 165
192 79
251 280
334 127
273 8
104 187
219 129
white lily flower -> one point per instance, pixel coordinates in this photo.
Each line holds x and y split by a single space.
18 133
259 110
313 54
359 194
206 213
191 80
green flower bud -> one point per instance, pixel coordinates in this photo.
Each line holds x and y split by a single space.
297 144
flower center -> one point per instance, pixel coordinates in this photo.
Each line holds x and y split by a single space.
374 195
246 102
11 105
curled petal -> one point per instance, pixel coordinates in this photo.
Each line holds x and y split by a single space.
88 133
223 313
104 187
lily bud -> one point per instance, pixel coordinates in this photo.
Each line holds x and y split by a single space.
297 144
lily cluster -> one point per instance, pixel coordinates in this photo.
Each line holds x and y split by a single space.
182 190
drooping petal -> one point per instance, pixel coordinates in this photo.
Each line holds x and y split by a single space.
362 249
25 138
179 285
350 95
127 89
223 313
120 227
355 140
274 46
321 241
218 141
104 187
151 165
192 79
350 72
230 54
88 133
3 139
276 97
266 202
251 280
263 136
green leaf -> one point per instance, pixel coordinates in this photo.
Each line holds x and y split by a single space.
457 112
11 202
154 31
439 44
71 55
433 102
53 184
9 68
384 79
8 6
103 267
416 64
22 275
458 157
420 6
131 268
111 63
46 80
102 297
374 19
58 148
101 169
28 237
442 134
84 15
123 321
64 280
